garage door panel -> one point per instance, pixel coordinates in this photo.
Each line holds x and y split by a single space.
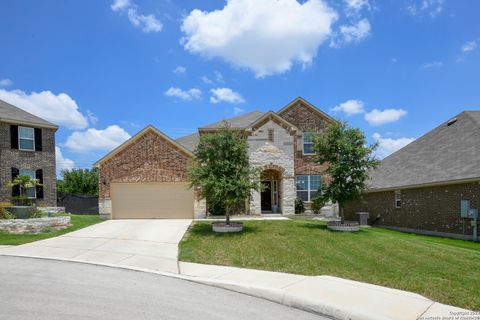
167 200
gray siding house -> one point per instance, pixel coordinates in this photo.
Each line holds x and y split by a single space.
27 147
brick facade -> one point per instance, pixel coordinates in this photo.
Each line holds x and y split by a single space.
433 210
307 120
33 160
151 158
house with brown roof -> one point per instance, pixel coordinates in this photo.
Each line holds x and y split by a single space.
421 187
145 177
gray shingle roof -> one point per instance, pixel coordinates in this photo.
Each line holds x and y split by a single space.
445 154
189 142
10 113
241 121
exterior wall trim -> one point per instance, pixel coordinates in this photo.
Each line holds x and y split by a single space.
425 185
29 124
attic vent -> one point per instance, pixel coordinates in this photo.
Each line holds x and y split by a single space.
451 121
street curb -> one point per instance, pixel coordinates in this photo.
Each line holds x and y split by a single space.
319 307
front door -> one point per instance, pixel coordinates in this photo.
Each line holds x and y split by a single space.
266 196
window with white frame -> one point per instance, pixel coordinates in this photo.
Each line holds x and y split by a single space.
308 139
308 187
398 199
26 138
32 191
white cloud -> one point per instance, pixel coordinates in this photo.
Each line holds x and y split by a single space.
430 65
350 107
148 23
351 33
225 95
469 46
92 140
180 70
92 118
355 6
59 109
5 82
218 76
430 7
237 110
266 36
120 5
207 80
379 117
63 163
387 146
191 94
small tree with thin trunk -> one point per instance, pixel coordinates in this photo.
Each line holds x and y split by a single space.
23 182
349 160
221 170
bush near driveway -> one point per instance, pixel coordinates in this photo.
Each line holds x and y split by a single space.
445 270
78 222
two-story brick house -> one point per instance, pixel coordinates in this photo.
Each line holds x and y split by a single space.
27 147
146 176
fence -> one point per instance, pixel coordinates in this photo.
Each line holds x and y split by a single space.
77 203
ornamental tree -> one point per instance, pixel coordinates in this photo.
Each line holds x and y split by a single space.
349 160
221 170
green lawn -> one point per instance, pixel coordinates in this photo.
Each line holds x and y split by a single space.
78 222
444 270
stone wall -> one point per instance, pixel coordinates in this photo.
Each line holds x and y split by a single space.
20 226
434 209
276 154
33 160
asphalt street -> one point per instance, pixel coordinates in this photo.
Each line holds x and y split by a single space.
48 289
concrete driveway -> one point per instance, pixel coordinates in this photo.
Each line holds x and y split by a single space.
150 244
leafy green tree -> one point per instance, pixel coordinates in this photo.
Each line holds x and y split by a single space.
221 170
23 182
349 160
79 181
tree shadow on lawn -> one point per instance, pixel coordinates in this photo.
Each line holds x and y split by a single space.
205 229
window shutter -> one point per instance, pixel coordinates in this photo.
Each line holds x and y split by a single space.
15 189
38 139
14 136
39 177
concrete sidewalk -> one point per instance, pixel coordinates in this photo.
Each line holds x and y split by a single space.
329 296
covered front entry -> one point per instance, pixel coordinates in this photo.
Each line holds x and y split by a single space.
158 200
270 197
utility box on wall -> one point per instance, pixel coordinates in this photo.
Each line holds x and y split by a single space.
465 208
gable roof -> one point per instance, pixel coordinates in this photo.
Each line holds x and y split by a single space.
11 114
135 138
238 122
272 116
449 153
307 104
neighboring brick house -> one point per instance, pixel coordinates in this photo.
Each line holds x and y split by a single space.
27 147
420 187
146 176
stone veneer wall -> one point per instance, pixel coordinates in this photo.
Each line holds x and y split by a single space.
277 155
435 210
19 226
34 160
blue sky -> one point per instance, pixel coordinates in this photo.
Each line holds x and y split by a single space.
102 70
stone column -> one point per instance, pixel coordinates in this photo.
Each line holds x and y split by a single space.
199 206
289 195
255 203
105 208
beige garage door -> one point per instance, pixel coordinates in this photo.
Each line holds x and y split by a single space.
167 200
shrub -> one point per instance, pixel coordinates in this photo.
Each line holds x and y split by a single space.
317 204
4 214
299 206
35 213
